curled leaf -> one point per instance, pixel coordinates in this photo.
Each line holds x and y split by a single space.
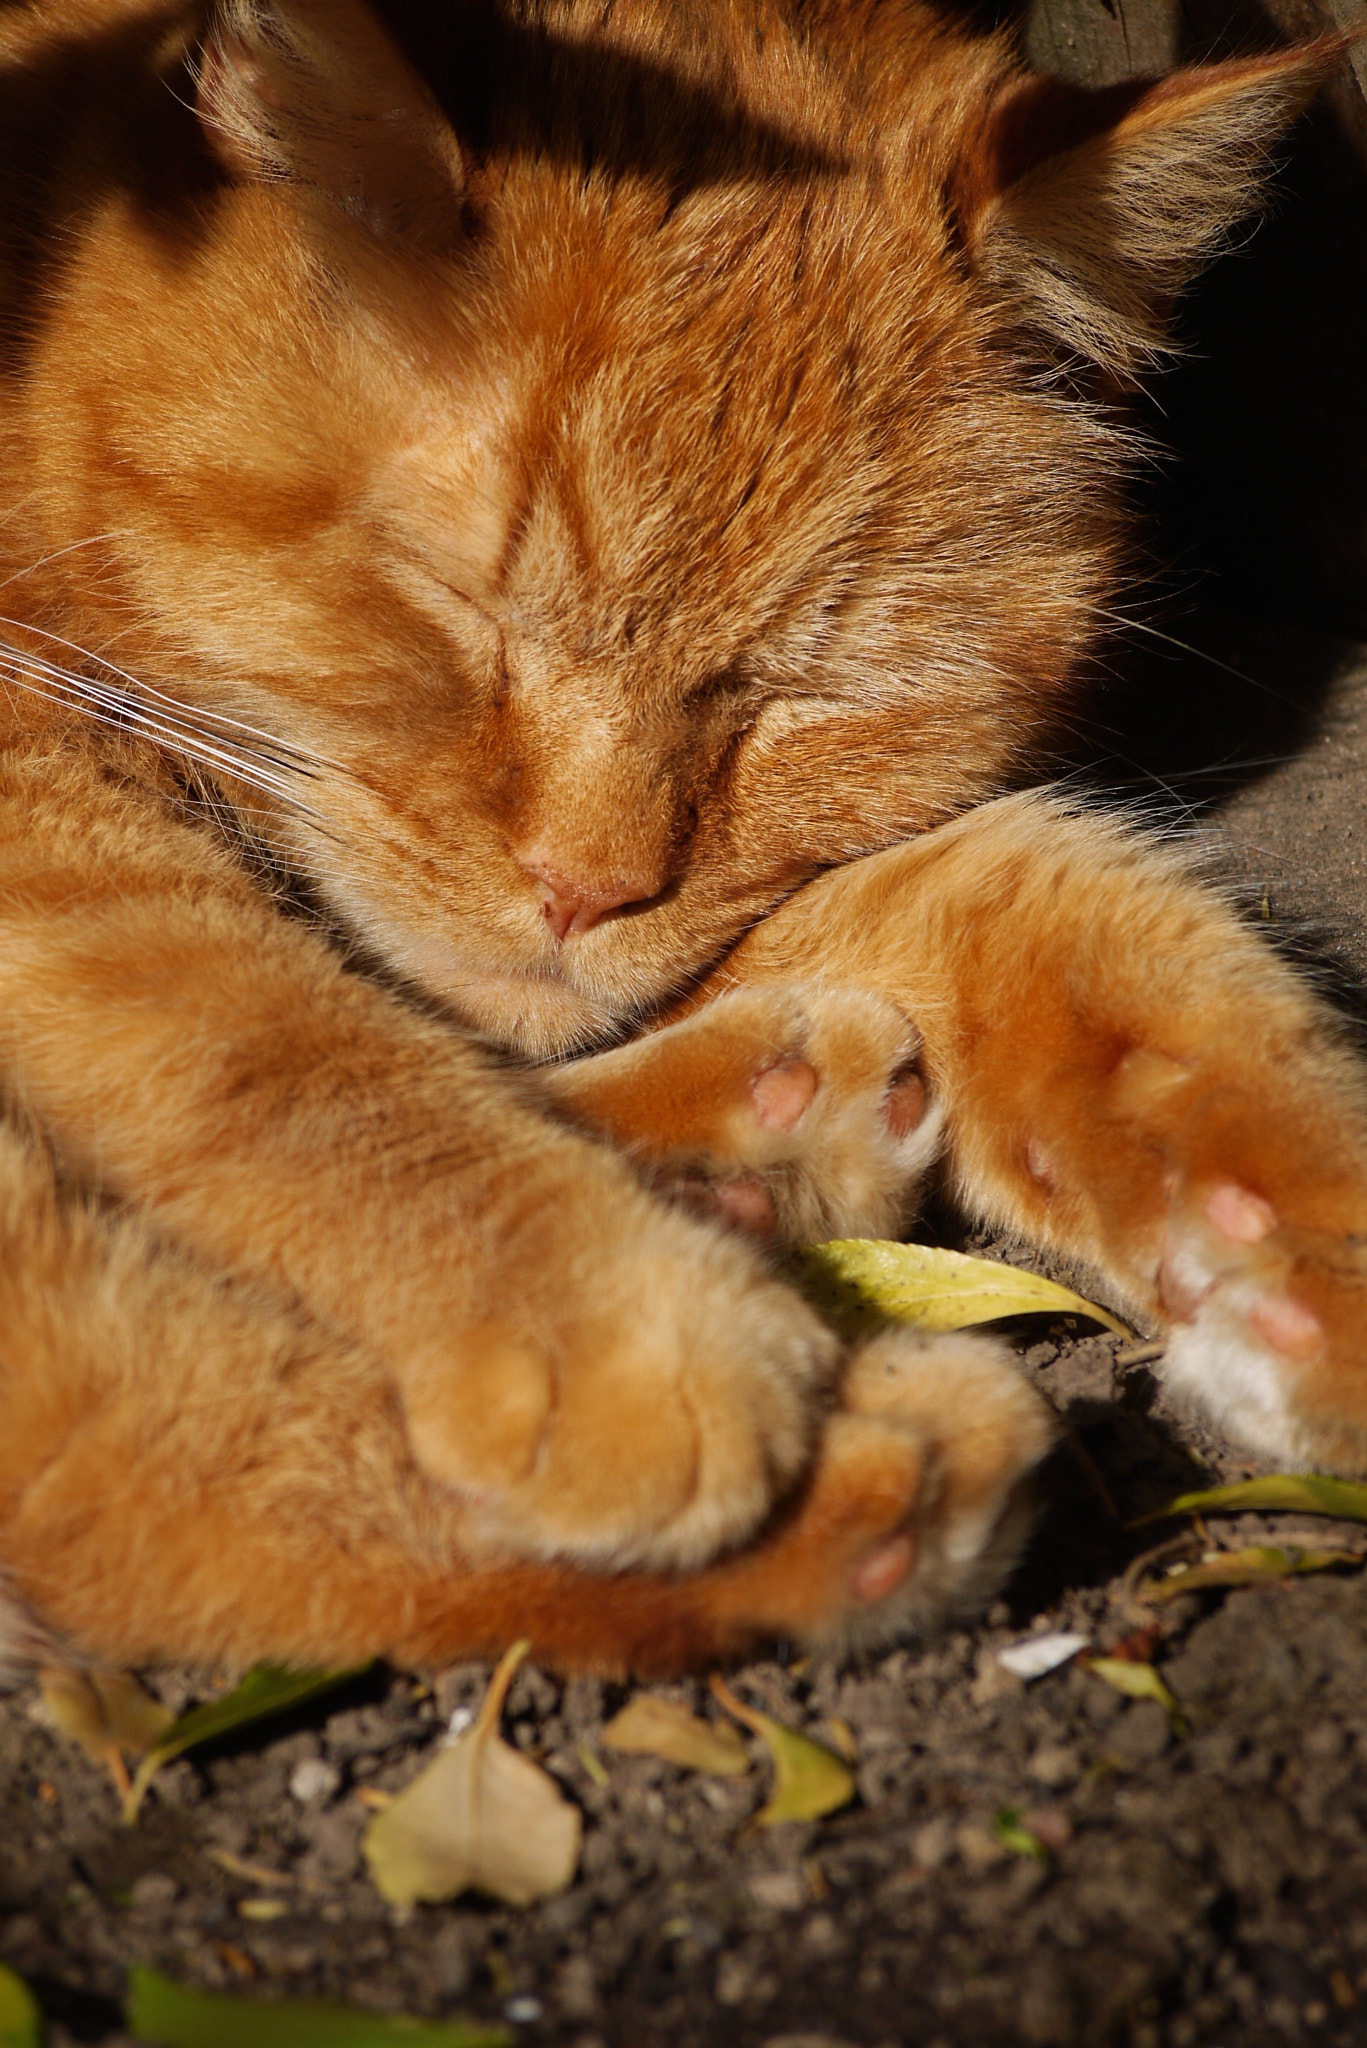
482 1817
931 1289
808 1780
1243 1568
656 1727
267 1689
1305 1493
21 2023
1138 1682
166 2013
103 1711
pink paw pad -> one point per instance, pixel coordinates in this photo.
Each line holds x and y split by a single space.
1287 1326
746 1205
781 1094
1238 1214
883 1570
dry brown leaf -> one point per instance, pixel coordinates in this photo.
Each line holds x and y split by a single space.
105 1711
808 1780
655 1727
482 1817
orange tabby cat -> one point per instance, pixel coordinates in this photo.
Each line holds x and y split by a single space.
523 523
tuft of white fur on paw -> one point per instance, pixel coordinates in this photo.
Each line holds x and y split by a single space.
1237 1334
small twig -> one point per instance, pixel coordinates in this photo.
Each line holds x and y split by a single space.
1138 1354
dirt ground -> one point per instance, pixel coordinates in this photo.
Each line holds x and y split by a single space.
1209 1888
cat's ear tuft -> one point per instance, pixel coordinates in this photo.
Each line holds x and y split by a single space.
312 93
1088 211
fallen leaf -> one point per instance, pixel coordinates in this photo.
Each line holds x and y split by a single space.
1011 1831
21 2023
808 1780
931 1289
1304 1493
267 1689
1138 1682
103 1711
482 1817
166 2013
1243 1568
1037 1655
657 1727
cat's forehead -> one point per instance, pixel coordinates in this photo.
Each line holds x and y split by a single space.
699 416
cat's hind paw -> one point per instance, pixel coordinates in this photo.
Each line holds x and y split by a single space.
918 1505
794 1113
1269 1326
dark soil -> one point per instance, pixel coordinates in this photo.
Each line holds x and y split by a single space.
1208 1888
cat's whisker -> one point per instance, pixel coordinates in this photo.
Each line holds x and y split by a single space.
32 568
1196 653
300 760
116 711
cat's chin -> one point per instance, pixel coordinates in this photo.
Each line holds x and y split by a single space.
536 1016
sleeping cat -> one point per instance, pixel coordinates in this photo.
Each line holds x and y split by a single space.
534 540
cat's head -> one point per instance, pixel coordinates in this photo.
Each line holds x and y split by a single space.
636 459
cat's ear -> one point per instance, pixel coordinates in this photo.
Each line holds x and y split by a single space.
313 93
1089 211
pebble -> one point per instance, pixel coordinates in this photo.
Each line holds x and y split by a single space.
524 2011
314 1779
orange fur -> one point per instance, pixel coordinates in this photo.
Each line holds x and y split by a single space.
499 504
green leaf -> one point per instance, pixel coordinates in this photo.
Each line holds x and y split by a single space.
267 1689
1137 1682
173 2017
1303 1493
1011 1831
858 1278
809 1781
481 1817
1244 1568
21 2023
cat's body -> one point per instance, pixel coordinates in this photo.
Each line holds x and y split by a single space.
585 545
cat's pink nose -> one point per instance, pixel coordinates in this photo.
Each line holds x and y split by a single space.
571 904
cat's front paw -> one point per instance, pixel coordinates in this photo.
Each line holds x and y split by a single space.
1269 1325
794 1113
646 1409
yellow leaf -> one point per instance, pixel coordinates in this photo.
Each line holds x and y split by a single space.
857 1278
482 1817
1244 1568
808 1780
1138 1682
1304 1493
656 1727
104 1711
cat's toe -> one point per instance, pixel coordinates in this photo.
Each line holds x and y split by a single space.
1268 1326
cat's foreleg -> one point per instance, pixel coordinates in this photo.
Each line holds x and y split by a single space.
1129 1074
191 1469
593 1374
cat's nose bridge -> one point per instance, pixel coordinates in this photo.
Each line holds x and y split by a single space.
573 902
